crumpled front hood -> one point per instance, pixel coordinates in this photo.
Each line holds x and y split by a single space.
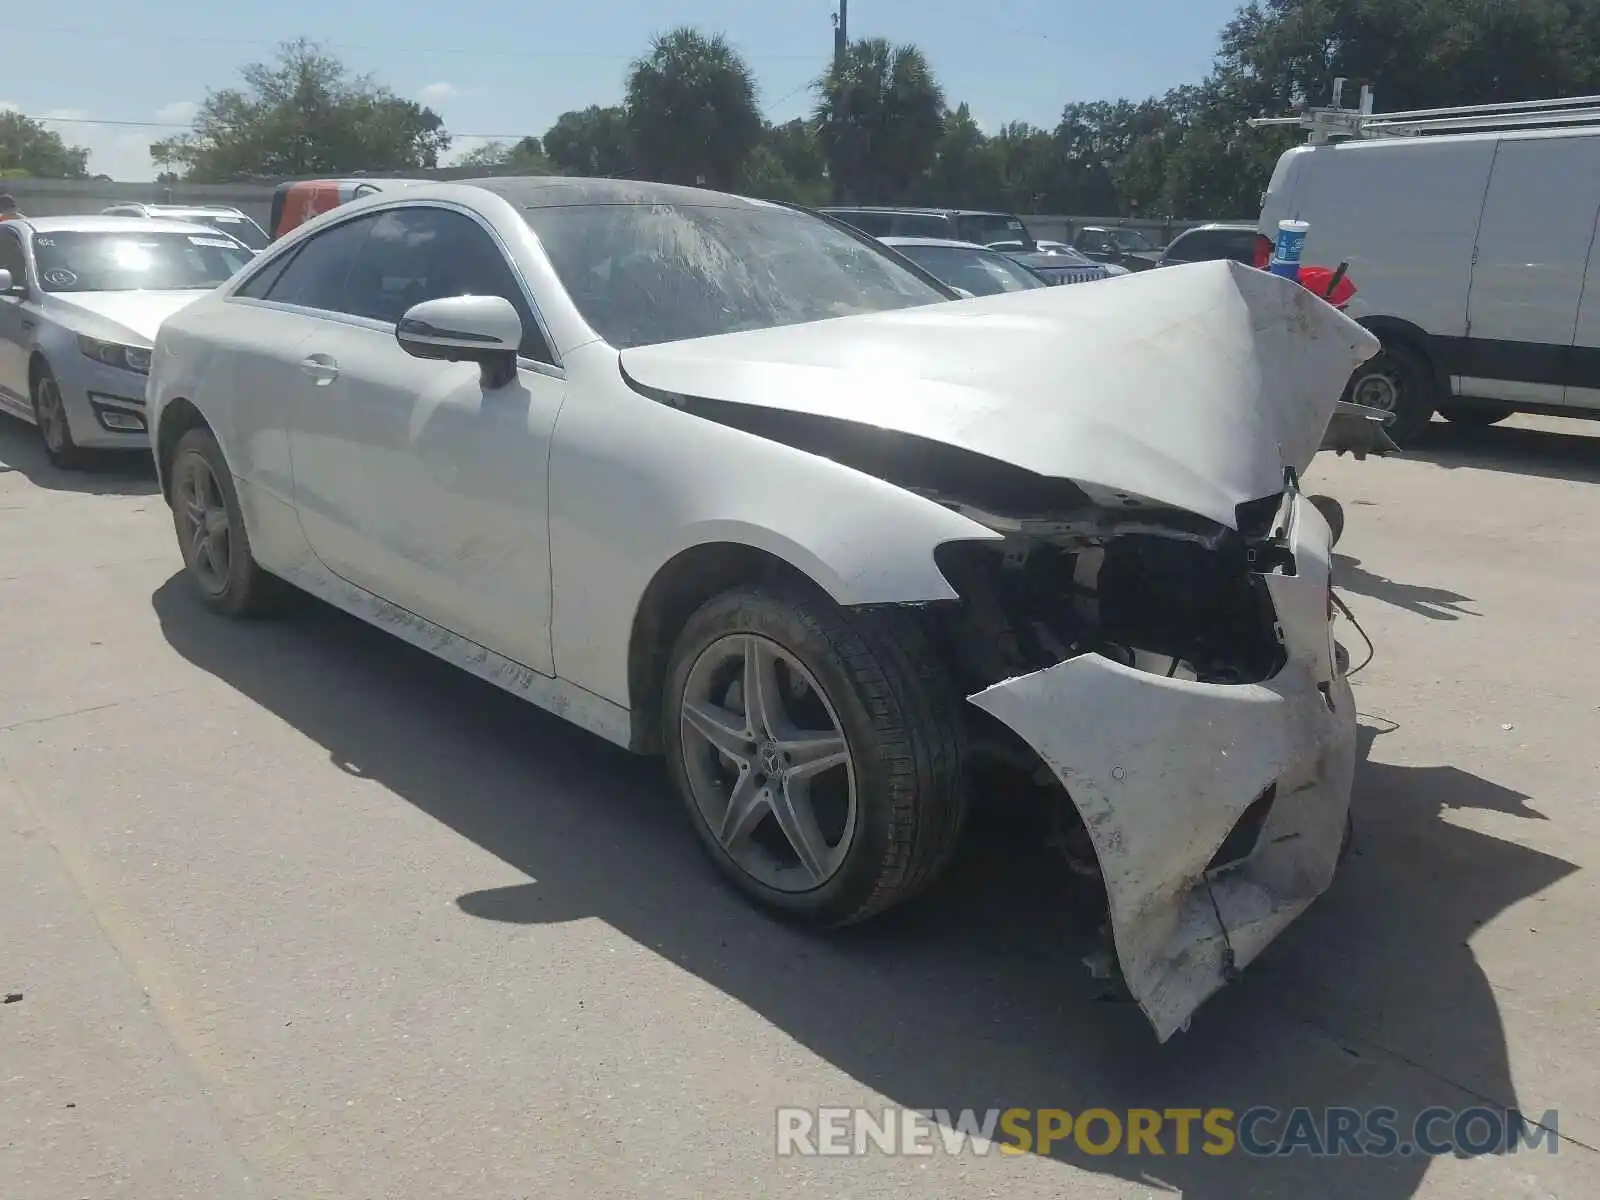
114 316
1192 386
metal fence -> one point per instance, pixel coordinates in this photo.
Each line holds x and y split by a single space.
59 197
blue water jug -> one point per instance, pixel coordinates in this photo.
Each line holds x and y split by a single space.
1291 244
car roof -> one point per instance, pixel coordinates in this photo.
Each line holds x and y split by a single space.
1226 226
950 243
557 191
912 208
97 223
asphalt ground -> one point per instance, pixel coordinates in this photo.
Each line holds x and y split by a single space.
291 910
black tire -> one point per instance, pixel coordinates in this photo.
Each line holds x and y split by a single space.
243 588
1400 380
902 727
54 431
1477 414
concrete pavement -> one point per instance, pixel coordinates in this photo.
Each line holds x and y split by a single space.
295 911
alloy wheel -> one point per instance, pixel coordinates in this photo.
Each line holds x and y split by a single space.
768 766
206 532
51 414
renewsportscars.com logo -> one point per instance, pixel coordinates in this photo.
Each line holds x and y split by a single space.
1259 1132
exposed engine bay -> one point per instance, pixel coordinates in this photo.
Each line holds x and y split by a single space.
1159 591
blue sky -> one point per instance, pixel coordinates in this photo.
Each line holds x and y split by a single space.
493 67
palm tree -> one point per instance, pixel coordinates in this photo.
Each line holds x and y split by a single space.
691 110
880 117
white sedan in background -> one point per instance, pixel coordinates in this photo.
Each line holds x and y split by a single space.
717 479
81 298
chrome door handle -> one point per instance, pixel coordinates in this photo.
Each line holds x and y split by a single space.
320 367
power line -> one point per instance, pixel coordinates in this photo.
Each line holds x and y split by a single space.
164 36
493 137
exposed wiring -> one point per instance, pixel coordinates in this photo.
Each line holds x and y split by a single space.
1372 651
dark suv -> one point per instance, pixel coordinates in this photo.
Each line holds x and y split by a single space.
1206 243
953 224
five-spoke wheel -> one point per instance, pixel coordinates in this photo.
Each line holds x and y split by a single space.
818 751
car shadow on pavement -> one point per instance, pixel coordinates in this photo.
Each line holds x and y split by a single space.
1441 604
977 996
118 473
1514 450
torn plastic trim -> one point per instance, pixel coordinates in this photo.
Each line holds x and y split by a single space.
1162 770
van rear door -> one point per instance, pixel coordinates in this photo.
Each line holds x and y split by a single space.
1533 248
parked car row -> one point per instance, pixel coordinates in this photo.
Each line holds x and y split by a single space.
81 300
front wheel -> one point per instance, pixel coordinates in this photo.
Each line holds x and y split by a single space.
819 752
50 415
1396 380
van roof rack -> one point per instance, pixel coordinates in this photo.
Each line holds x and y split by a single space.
1336 123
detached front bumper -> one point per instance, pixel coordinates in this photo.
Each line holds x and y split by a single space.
1165 772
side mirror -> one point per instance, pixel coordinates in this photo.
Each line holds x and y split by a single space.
481 329
8 286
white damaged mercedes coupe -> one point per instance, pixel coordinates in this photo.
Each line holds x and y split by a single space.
726 481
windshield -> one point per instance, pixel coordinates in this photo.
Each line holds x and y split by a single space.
981 272
81 261
232 224
647 273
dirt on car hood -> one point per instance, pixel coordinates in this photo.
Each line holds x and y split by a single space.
1192 387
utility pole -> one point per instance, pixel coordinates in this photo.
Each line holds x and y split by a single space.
841 34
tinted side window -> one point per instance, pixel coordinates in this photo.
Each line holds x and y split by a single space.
318 275
422 253
11 257
923 225
259 284
870 223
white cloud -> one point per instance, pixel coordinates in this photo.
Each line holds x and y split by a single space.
438 93
8 106
180 112
64 114
461 147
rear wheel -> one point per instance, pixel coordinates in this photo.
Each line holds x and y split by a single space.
1477 413
50 414
211 532
818 752
1396 380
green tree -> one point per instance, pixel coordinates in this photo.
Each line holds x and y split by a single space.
303 114
523 157
786 166
28 147
691 110
591 141
967 169
880 117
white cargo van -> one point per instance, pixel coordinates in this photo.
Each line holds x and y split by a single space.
1473 253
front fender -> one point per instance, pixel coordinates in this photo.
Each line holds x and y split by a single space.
635 482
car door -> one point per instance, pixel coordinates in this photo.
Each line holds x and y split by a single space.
1528 268
281 419
16 335
449 518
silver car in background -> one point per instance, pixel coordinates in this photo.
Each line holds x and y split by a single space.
231 221
970 269
81 298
